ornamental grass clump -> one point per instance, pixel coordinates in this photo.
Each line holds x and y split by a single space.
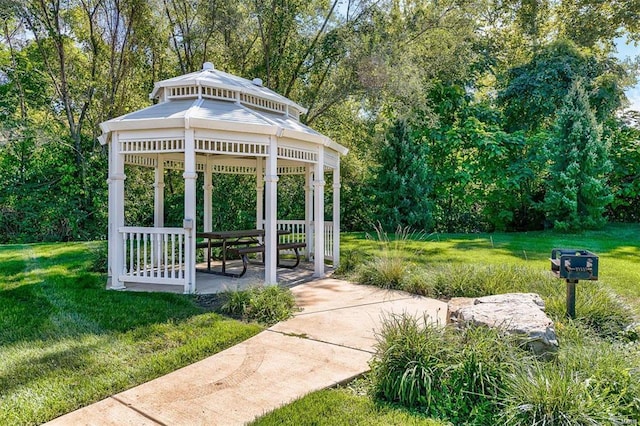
390 267
266 305
456 375
592 382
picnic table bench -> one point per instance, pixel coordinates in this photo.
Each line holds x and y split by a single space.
243 252
242 243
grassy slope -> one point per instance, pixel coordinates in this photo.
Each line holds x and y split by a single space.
65 341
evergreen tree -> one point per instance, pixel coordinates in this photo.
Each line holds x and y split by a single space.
577 194
401 182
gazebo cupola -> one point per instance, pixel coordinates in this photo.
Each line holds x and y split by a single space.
212 122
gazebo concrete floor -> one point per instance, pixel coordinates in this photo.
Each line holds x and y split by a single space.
207 283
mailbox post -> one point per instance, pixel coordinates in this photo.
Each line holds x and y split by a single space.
573 265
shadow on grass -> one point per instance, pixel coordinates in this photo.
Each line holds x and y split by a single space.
29 312
74 357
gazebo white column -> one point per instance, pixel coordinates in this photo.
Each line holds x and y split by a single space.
336 215
207 187
318 214
271 213
259 192
190 176
116 210
158 203
308 210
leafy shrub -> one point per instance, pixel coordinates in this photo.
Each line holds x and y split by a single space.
266 305
420 282
545 394
99 257
440 371
384 272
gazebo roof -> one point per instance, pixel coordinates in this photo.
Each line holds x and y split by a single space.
213 78
214 100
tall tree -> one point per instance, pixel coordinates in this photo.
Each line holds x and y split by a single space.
532 93
577 195
401 181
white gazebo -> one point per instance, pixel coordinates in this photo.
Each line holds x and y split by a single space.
212 122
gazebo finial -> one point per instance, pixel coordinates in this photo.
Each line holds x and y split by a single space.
208 66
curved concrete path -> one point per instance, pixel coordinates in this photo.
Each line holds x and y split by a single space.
330 341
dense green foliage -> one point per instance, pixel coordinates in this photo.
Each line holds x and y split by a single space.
66 342
443 373
477 376
577 196
449 108
266 305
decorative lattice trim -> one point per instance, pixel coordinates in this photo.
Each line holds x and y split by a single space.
217 93
297 154
292 170
233 170
262 103
212 146
183 92
152 145
139 160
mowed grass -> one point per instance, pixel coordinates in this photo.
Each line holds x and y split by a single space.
617 245
342 407
66 342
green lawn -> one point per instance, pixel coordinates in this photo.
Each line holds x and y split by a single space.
65 341
342 407
618 248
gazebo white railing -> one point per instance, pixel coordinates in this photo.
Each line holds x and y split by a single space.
155 255
297 232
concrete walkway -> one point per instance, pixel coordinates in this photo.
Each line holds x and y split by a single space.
330 341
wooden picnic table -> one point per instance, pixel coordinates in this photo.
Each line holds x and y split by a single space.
226 239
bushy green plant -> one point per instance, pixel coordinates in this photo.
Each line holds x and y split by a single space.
544 394
591 381
350 260
264 304
99 257
440 371
421 282
385 272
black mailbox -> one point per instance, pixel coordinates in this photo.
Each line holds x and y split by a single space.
573 264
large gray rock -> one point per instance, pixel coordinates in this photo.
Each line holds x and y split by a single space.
521 314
